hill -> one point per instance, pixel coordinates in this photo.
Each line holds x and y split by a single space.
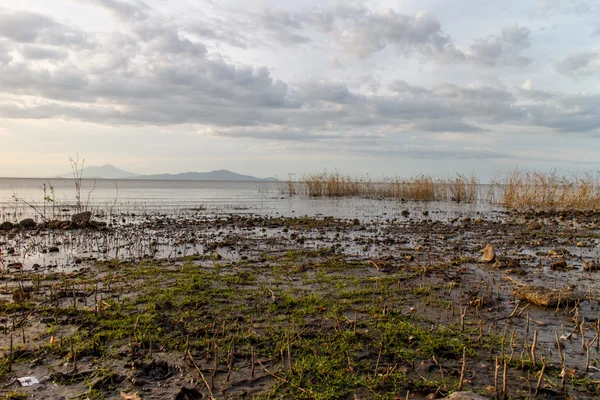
103 172
219 175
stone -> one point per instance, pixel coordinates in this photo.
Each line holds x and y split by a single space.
591 266
82 218
188 394
558 265
54 224
513 263
489 254
53 249
6 226
546 297
65 225
465 396
28 223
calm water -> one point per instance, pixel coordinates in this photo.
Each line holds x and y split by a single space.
20 198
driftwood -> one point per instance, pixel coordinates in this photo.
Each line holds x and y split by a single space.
543 296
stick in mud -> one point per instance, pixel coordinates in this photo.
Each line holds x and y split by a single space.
230 359
10 354
215 364
540 379
252 357
533 346
189 355
289 353
505 381
496 388
462 369
74 357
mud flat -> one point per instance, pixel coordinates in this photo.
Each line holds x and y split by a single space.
242 306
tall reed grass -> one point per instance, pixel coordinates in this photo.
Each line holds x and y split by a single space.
516 189
521 189
460 188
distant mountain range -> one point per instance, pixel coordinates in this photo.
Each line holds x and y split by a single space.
104 172
111 172
220 175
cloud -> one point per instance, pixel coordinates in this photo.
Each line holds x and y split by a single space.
27 27
5 56
579 7
446 125
527 90
286 25
33 52
580 65
153 72
362 32
577 113
327 91
401 87
334 63
443 151
133 9
504 48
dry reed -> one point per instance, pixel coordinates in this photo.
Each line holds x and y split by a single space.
460 188
516 189
547 190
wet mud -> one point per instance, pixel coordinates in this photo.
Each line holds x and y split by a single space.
248 306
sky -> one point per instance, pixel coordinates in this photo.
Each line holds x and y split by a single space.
288 87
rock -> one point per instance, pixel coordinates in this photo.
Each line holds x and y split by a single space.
28 223
6 226
465 396
82 218
546 297
20 295
53 249
65 225
188 394
558 265
405 213
489 254
513 263
561 252
52 224
591 266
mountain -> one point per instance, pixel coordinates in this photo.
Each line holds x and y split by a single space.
103 172
220 175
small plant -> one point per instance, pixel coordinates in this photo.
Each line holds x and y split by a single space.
77 170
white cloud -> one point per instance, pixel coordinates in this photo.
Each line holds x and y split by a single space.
362 78
581 65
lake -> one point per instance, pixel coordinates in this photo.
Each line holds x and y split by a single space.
24 197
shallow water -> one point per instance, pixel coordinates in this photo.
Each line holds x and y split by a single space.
21 198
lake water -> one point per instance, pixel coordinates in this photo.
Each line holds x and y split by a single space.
20 198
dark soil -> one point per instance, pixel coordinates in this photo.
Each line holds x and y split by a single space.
242 306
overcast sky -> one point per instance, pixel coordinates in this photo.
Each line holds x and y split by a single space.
268 87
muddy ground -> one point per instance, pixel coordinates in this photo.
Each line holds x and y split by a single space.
262 307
